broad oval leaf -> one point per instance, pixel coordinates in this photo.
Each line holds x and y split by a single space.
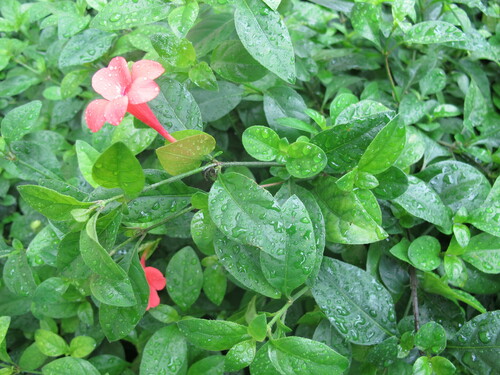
429 32
242 263
265 36
215 105
21 120
175 107
112 292
483 252
185 277
261 142
165 353
69 365
49 299
305 159
117 167
86 47
288 354
476 343
487 216
126 14
354 302
212 335
424 252
246 213
18 276
232 62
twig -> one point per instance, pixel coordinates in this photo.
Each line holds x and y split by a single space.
414 297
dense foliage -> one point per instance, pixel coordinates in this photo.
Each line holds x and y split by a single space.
331 204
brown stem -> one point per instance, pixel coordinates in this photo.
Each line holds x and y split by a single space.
414 297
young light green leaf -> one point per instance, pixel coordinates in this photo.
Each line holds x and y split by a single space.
117 167
265 36
424 252
186 154
182 18
87 156
69 365
82 346
185 277
20 121
202 76
50 343
261 142
431 337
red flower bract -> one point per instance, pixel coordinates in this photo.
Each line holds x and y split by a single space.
156 282
125 91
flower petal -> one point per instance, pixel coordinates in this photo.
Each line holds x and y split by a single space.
115 110
154 299
147 68
143 113
142 90
155 278
94 114
111 82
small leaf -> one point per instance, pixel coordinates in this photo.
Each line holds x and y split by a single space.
21 121
212 335
431 337
69 365
87 156
202 76
117 167
429 32
18 276
305 159
240 356
365 20
185 277
182 18
215 105
214 283
50 343
82 346
261 142
483 252
424 252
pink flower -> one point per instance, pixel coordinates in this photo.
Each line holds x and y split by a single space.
125 91
156 282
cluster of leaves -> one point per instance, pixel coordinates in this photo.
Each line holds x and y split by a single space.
331 206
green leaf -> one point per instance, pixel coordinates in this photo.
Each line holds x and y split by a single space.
345 144
232 255
117 167
305 159
202 76
483 252
112 292
430 32
258 327
69 365
232 62
433 82
458 184
4 326
186 154
165 314
475 107
175 107
273 4
203 231
86 47
281 102
185 277
486 216
70 85
16 85
349 217
385 148
82 346
341 102
340 290
262 365
211 31
212 335
265 36
442 366
21 121
50 343
246 213
261 142
137 140
118 322
50 203
294 123
125 14
392 183
286 270
18 276
176 52
476 344
32 358
365 20
288 354
182 18
49 299
363 110
95 256
402 8
423 202
240 356
422 366
87 156
431 337
214 283
215 105
212 365
424 252
165 353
